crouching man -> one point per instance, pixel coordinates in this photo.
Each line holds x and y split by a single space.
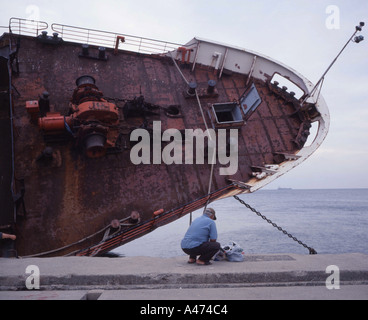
200 239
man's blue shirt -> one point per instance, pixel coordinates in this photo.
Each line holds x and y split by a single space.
201 230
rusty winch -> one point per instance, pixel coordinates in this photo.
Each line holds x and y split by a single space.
92 120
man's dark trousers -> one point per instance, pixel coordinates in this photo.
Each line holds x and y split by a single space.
206 251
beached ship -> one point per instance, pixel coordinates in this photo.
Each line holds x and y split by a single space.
74 179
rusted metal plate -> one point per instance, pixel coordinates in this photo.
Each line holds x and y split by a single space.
73 197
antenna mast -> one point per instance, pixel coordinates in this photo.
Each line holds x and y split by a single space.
353 38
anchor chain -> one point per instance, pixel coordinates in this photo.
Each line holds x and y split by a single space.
311 250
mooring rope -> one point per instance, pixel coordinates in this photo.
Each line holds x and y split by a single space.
205 124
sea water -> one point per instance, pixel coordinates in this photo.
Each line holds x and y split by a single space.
331 221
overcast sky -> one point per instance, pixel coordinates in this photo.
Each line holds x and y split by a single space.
304 34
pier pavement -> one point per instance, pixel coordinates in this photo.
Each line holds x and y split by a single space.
258 277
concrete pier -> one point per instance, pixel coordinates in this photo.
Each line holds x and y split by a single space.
276 276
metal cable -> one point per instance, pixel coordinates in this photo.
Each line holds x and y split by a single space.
311 250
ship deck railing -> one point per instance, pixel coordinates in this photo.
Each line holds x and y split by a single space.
92 37
27 27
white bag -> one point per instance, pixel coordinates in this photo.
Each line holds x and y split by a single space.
234 252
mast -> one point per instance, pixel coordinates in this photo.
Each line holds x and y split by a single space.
353 38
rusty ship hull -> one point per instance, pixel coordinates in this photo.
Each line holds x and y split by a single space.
80 194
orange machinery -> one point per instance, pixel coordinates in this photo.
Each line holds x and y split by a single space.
92 120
